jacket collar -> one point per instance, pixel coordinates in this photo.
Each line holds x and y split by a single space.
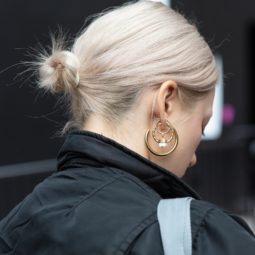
89 148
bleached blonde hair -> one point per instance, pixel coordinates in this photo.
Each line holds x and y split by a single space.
123 52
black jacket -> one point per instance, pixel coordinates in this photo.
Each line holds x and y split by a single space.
103 200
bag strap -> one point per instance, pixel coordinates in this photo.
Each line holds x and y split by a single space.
175 227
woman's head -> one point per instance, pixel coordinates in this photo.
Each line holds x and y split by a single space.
140 52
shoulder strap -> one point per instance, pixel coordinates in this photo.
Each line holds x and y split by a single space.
175 227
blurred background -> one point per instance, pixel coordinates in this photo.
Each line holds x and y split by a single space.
30 119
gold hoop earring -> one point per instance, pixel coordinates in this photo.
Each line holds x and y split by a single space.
164 136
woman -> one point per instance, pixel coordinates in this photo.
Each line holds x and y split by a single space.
141 82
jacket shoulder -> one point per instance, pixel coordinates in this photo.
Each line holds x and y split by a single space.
219 232
77 205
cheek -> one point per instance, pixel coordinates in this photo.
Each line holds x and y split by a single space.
196 140
192 139
188 143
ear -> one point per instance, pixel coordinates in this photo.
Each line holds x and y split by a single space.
166 96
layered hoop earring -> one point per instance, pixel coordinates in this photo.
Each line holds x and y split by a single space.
164 138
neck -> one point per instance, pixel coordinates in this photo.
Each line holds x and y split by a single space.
128 133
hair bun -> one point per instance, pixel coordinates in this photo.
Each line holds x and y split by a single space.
59 72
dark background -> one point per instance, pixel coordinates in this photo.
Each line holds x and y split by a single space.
30 119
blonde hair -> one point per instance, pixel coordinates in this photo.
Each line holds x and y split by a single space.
123 52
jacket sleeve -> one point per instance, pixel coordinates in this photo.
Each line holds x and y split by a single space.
219 233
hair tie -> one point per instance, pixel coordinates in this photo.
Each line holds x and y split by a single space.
160 1
77 80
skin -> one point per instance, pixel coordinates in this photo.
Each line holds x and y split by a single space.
189 123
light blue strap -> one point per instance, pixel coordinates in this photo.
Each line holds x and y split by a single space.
175 227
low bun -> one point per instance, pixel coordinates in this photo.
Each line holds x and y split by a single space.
59 72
